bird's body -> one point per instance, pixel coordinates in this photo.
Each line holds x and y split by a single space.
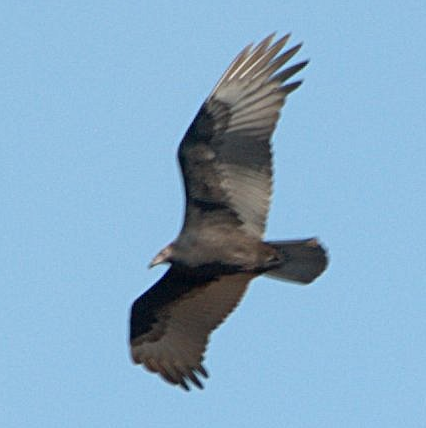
218 244
226 162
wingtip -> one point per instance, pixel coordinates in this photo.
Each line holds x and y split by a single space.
184 385
280 43
287 89
201 369
284 39
268 39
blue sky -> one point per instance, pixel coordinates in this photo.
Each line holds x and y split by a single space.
95 97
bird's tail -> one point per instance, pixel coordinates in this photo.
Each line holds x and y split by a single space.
302 260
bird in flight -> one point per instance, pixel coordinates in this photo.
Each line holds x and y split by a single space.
226 163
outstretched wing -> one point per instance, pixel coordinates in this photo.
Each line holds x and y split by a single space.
171 323
225 155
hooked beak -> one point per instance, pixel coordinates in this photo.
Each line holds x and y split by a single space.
158 259
161 257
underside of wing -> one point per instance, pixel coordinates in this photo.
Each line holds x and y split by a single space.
225 155
171 322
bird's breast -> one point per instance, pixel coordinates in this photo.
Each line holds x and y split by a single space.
231 248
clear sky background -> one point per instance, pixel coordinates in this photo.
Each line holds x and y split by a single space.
94 99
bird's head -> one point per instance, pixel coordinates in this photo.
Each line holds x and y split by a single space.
163 256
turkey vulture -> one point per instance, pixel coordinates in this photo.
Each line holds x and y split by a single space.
226 162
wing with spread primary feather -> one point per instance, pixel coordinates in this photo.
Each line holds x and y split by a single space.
225 155
172 321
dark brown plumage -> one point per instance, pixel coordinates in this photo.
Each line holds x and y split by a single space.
226 163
